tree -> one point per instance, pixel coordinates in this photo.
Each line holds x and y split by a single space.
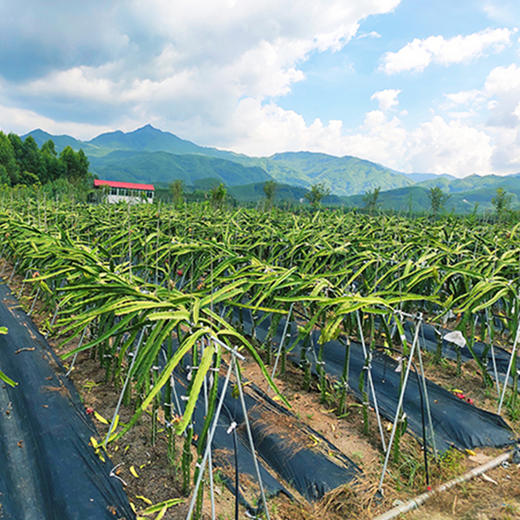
502 202
48 147
17 145
53 166
177 191
75 164
317 192
83 164
8 160
370 199
410 204
29 178
31 161
4 176
437 199
269 191
25 163
218 195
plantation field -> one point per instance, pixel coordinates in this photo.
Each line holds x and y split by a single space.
188 301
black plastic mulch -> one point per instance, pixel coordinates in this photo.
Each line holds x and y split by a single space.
48 470
429 338
286 447
455 422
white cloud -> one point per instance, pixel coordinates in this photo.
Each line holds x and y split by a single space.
502 87
460 142
502 11
371 34
387 98
418 54
495 112
461 114
465 97
212 71
451 147
81 83
264 129
178 64
380 139
437 145
20 120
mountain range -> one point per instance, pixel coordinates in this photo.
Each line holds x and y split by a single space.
151 155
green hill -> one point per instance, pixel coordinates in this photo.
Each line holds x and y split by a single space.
255 192
412 198
165 167
151 155
343 175
150 139
146 138
472 182
416 199
60 141
421 177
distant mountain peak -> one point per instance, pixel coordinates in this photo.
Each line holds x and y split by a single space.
146 128
40 132
105 134
61 141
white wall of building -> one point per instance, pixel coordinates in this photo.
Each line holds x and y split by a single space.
114 199
130 196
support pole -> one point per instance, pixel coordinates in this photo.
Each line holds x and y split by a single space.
120 400
398 411
14 271
210 440
513 354
53 320
371 383
34 302
425 392
251 442
210 461
282 341
493 359
76 354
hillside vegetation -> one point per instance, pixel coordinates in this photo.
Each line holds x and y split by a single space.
151 155
23 162
161 150
165 167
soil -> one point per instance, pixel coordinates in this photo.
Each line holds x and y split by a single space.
494 496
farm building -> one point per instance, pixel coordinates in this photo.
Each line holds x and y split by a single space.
125 191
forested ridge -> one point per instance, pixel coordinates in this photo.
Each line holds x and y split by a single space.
22 162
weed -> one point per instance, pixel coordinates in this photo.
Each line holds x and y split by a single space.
451 463
357 457
410 472
89 385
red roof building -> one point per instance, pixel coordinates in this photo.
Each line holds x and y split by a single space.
127 185
129 192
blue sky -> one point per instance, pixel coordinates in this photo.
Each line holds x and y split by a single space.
415 85
337 83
